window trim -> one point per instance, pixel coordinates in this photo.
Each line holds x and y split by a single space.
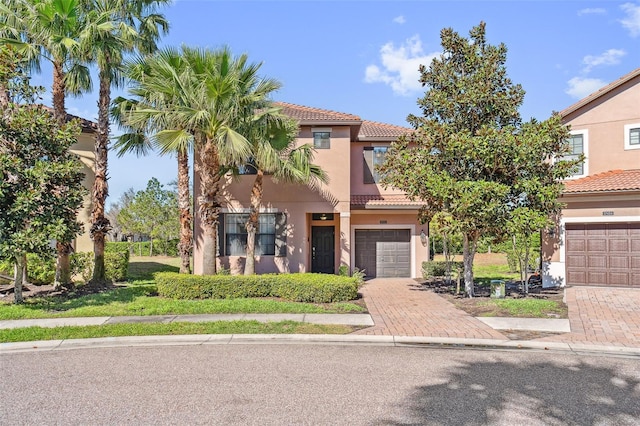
585 151
627 136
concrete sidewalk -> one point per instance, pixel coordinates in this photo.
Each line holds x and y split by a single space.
345 319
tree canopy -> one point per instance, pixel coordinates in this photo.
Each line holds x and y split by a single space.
470 154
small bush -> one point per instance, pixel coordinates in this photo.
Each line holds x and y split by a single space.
41 269
313 288
433 269
116 263
160 248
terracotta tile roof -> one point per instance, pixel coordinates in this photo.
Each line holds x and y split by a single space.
601 92
372 129
373 201
613 180
88 126
308 114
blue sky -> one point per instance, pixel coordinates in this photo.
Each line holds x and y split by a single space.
361 57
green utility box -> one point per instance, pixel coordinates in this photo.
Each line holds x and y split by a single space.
497 289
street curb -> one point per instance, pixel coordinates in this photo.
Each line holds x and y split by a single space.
321 339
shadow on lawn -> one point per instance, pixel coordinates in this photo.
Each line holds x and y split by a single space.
145 270
487 392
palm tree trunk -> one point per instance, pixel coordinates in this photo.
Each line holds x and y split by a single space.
252 223
100 224
63 248
208 204
21 263
184 205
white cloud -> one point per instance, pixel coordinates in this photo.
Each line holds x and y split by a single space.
610 57
581 87
399 20
592 11
400 66
632 21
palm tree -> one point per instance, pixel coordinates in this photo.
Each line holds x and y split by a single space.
156 82
216 93
113 29
272 137
48 29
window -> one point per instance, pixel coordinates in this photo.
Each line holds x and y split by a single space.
374 157
249 168
578 145
632 136
322 140
270 236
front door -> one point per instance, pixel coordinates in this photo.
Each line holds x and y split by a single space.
322 249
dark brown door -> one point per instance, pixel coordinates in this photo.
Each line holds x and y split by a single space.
323 249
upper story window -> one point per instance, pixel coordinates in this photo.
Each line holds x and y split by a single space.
632 136
249 168
374 156
322 139
578 142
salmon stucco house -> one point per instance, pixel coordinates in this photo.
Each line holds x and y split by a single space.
597 238
351 221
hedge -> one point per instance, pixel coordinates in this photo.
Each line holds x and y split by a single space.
297 287
439 268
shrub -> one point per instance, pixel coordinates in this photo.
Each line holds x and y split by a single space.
41 269
116 263
433 269
160 248
314 288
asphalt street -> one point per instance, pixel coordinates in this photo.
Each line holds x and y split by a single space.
310 384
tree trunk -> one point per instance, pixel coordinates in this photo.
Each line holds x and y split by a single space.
252 223
63 265
184 205
20 267
150 247
63 248
100 224
468 252
208 204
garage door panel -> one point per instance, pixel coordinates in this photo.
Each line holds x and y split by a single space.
603 254
597 245
619 278
577 261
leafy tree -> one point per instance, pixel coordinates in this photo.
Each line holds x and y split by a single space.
523 225
49 30
470 154
272 137
113 28
40 184
152 212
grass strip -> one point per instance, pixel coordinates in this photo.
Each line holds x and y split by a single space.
526 308
157 329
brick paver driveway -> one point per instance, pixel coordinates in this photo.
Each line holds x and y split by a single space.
401 307
602 315
598 315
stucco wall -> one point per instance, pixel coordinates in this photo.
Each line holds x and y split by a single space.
84 149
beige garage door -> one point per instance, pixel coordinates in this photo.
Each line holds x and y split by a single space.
603 254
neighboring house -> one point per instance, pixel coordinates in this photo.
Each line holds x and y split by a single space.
597 238
350 221
84 149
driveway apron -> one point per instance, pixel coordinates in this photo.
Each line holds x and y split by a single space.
602 315
402 307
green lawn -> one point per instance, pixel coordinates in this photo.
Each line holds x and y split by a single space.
151 329
138 297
